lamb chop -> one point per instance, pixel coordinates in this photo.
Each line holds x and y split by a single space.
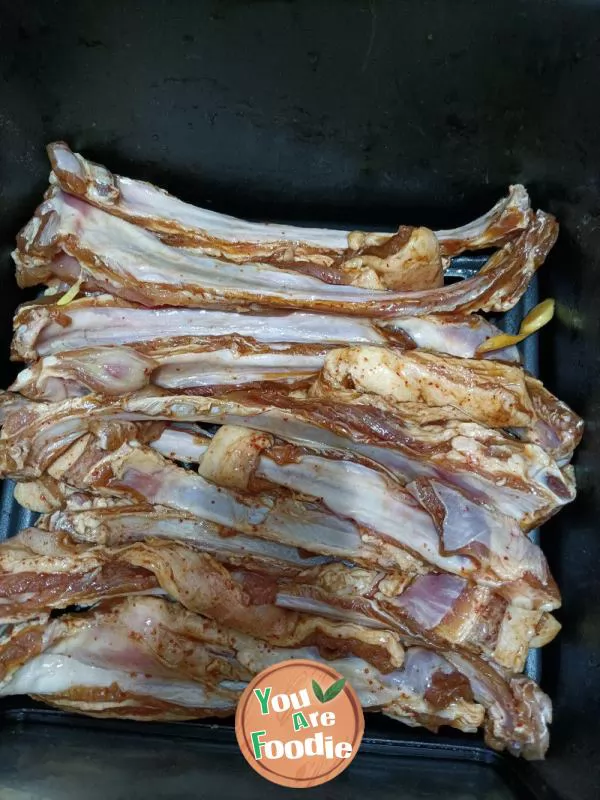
71 240
404 260
210 366
495 394
254 591
518 479
142 658
213 365
382 524
145 658
39 563
43 328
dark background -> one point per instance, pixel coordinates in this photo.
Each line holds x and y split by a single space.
351 112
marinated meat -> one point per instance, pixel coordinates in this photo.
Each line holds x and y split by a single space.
251 442
520 479
69 239
44 328
143 658
236 240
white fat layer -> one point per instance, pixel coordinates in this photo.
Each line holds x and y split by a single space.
466 523
455 338
279 519
143 199
51 673
379 505
430 598
216 367
307 605
105 325
181 445
138 526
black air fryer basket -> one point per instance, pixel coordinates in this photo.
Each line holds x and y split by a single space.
339 113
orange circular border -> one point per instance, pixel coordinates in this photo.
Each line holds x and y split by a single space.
268 772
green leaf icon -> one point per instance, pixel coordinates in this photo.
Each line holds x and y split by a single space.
329 694
318 692
334 689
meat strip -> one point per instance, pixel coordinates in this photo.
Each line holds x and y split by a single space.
495 394
69 239
237 240
519 479
177 665
43 328
382 524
